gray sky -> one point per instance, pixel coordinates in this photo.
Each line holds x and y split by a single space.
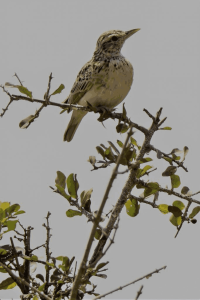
40 37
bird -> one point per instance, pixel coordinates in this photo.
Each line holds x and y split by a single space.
104 81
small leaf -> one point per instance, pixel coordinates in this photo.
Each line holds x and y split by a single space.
179 204
62 192
97 234
3 252
175 221
2 270
132 207
11 225
168 159
114 148
40 276
169 171
19 212
163 208
7 284
185 190
175 181
72 185
166 128
101 265
175 210
92 160
41 288
4 205
85 196
8 84
134 142
121 128
60 179
25 122
59 90
176 150
24 90
145 169
185 151
124 114
72 213
194 212
100 151
145 159
120 143
159 154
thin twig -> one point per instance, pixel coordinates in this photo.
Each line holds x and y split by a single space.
132 282
183 218
139 293
18 79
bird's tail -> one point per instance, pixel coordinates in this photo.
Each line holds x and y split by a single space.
76 119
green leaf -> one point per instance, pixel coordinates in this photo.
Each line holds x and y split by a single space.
175 181
4 205
179 204
185 190
101 265
109 154
7 284
63 193
25 122
124 114
11 225
120 143
35 298
85 196
12 208
72 213
175 210
41 288
194 212
175 221
3 252
34 258
168 159
145 169
145 159
50 264
72 185
169 171
122 128
134 142
100 151
166 128
59 90
19 212
132 207
61 179
2 270
24 90
97 234
65 263
175 157
40 276
163 208
152 188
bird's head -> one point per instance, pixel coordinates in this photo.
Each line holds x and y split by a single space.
111 42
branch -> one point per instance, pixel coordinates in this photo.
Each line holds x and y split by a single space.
132 282
139 292
125 191
21 281
97 219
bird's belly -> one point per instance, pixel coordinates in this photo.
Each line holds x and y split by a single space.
111 86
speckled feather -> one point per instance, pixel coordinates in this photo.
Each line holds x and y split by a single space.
104 80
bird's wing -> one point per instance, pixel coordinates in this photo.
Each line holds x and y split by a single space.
84 82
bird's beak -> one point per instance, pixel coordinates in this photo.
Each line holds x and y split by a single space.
131 32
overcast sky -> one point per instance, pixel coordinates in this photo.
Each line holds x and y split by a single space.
39 37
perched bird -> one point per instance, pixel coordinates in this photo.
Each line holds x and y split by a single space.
103 81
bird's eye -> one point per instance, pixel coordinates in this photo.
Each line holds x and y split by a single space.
114 38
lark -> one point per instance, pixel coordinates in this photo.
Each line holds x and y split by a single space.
103 81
